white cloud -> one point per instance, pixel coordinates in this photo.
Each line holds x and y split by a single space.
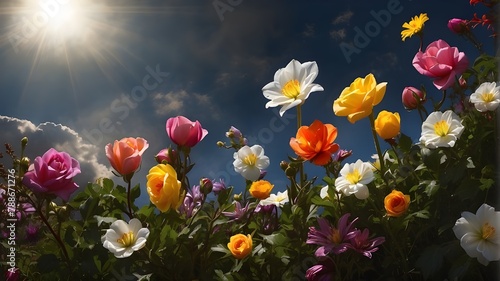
338 34
179 102
343 18
60 137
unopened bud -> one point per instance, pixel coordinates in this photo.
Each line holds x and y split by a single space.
24 142
283 165
206 185
221 144
237 197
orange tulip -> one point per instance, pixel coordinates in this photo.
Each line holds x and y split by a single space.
315 143
396 203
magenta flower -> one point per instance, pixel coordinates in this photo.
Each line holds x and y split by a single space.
167 155
441 62
218 186
323 271
361 244
53 173
331 239
457 26
12 274
185 132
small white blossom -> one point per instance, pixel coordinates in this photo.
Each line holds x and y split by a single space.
479 234
276 199
486 97
249 161
292 85
354 178
123 239
441 129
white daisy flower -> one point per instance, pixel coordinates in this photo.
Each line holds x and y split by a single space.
486 97
479 234
354 178
249 161
292 85
276 199
123 239
441 129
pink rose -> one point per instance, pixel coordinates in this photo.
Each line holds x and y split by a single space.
412 97
168 155
53 174
442 62
125 155
184 132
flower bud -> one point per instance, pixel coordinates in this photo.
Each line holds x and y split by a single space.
25 163
283 165
457 26
462 82
221 144
218 186
166 156
24 142
237 197
412 98
206 185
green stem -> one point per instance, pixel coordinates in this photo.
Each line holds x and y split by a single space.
377 145
130 212
438 106
299 124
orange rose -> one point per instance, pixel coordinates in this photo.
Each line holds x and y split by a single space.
261 189
125 155
240 245
396 203
387 124
315 143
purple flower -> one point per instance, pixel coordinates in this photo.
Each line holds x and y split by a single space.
323 271
32 231
239 213
233 133
53 173
341 155
361 244
218 186
192 201
331 239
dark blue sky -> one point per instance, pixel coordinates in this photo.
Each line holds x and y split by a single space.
115 69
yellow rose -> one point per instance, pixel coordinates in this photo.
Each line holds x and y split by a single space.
163 187
240 245
357 100
396 203
387 124
261 189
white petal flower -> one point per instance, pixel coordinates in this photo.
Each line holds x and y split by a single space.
292 85
486 97
249 161
324 192
276 199
479 234
441 129
354 178
123 239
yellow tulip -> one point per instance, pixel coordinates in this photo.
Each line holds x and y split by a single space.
387 124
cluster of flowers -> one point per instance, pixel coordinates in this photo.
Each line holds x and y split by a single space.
51 175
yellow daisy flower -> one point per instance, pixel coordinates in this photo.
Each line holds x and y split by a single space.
414 26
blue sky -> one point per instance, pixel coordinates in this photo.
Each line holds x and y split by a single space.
116 69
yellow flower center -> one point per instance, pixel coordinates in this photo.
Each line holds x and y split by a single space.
487 97
250 159
127 239
336 236
353 177
291 89
441 128
487 231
